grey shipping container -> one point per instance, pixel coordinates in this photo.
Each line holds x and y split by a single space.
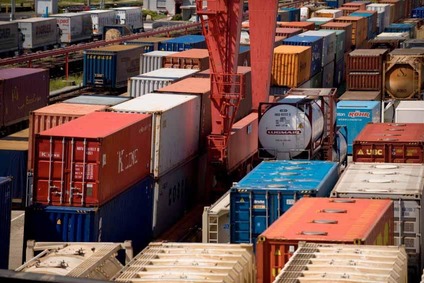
8 38
153 60
39 32
404 184
107 100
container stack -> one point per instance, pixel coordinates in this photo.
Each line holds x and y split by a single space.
333 262
404 184
182 43
270 189
5 220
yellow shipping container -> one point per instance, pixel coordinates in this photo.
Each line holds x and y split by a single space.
291 65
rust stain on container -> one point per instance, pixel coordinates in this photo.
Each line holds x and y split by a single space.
54 115
323 220
90 160
291 65
388 142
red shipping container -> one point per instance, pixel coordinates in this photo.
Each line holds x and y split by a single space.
347 27
303 25
358 5
21 91
387 142
348 10
366 60
89 160
323 220
54 115
364 81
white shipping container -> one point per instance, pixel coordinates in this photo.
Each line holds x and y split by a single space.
313 262
130 16
175 126
172 196
191 262
151 81
381 8
324 12
153 60
75 27
101 18
39 32
46 6
393 35
216 221
329 44
410 112
404 184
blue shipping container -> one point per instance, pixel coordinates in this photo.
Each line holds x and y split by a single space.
182 43
270 189
409 28
128 216
355 115
5 213
418 12
316 44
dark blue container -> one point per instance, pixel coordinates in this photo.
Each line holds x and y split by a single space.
405 27
128 216
339 69
13 163
334 3
5 213
182 43
288 15
270 189
315 42
418 12
370 33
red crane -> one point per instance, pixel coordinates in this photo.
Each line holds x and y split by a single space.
221 24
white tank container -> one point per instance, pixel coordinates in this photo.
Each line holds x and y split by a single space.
289 127
410 112
216 221
404 184
39 32
130 16
175 126
153 60
101 18
151 81
75 27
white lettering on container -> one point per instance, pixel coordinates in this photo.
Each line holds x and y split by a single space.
126 160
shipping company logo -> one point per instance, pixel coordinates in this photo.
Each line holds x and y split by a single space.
126 160
283 132
370 152
359 114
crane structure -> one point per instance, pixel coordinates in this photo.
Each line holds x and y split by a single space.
221 24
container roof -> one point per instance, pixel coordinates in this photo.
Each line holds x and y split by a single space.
392 132
18 72
189 85
69 109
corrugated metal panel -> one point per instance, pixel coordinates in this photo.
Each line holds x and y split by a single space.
191 262
98 224
153 60
5 213
331 262
183 43
106 100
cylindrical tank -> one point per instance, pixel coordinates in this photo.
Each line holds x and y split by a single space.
288 128
340 150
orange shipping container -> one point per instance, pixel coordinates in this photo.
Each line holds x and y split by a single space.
323 220
189 59
359 28
303 25
54 115
291 65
